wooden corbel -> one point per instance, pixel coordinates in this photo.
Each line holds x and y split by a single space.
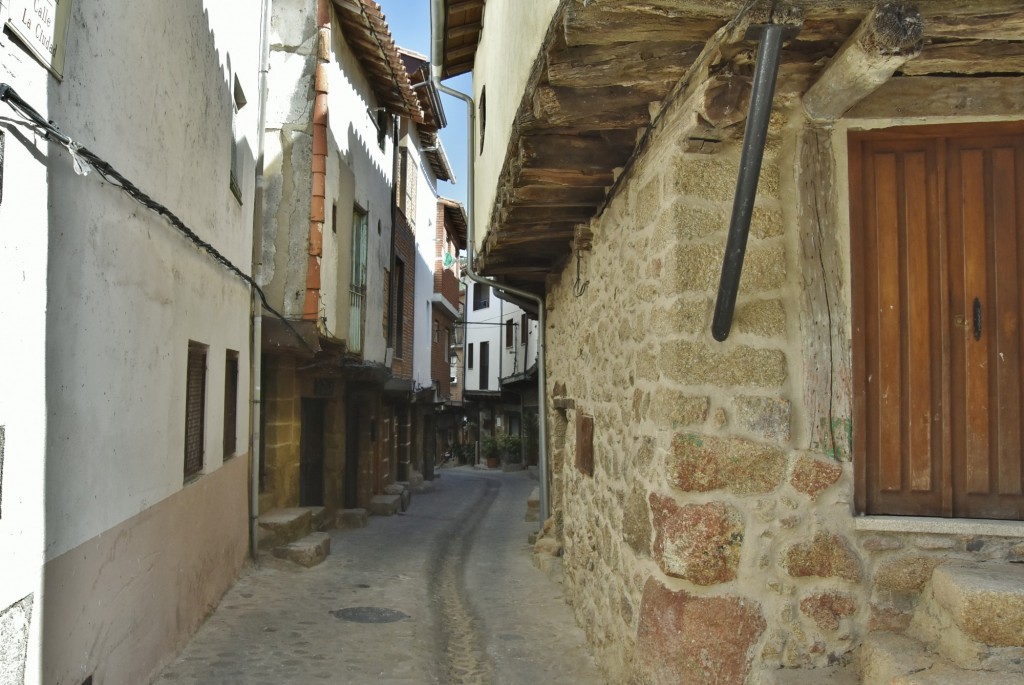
889 36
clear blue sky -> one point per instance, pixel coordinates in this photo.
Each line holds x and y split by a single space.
409 21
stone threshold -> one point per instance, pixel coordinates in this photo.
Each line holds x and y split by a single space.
939 526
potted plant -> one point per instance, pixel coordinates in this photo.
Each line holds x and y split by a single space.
490 448
511 448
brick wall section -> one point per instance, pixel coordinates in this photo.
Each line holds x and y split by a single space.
707 499
440 354
405 249
311 308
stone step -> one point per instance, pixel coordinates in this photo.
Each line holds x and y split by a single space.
281 526
403 491
835 675
385 505
309 551
985 600
891 659
319 517
350 519
533 505
973 614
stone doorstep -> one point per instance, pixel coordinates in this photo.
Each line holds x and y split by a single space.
835 675
985 600
281 526
891 659
319 515
350 519
308 552
385 505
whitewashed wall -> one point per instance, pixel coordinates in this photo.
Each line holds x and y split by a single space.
359 173
24 241
509 43
103 297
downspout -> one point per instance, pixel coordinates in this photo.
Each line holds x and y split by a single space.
436 60
256 345
766 71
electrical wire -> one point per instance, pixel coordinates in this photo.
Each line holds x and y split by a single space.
85 160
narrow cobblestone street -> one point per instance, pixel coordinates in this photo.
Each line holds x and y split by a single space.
444 593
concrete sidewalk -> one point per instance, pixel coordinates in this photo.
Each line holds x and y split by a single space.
445 593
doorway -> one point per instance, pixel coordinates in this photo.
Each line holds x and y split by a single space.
311 454
937 246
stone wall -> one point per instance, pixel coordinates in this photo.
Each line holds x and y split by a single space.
711 543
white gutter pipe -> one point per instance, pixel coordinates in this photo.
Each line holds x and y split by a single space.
436 61
256 346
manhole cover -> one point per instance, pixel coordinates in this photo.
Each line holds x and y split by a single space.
369 615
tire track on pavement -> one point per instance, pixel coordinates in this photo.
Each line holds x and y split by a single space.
462 654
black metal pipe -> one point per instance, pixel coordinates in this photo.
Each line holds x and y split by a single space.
765 73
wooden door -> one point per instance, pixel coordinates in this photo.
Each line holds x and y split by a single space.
937 249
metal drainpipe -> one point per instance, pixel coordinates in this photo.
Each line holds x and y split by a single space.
436 59
256 345
765 74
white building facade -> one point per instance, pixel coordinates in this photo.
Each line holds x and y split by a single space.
126 411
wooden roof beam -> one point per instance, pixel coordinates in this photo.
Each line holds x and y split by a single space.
889 36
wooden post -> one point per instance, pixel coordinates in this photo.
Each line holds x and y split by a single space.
890 35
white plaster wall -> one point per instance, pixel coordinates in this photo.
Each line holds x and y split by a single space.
288 146
363 172
519 357
23 262
148 86
512 34
424 227
484 326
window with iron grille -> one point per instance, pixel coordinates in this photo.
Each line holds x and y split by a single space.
195 409
230 403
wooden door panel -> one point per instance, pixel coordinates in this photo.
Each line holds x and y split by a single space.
987 415
898 308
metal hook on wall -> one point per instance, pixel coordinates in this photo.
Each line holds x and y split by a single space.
580 286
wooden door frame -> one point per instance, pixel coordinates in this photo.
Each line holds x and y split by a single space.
855 140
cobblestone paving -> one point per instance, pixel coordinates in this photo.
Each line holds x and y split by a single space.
449 583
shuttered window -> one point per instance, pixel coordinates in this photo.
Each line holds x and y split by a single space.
195 409
230 403
937 245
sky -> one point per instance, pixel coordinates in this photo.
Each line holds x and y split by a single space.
409 21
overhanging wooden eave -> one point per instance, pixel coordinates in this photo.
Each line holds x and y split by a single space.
605 66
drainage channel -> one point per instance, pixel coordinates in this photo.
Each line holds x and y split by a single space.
462 653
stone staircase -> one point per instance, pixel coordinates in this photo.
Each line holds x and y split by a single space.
296 534
967 629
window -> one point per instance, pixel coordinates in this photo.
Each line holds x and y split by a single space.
485 365
357 281
195 409
510 333
481 296
409 173
236 149
230 403
469 356
483 116
399 307
382 122
524 331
